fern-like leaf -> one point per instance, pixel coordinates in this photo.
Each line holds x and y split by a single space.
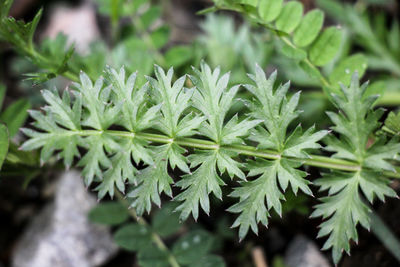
272 107
214 100
344 207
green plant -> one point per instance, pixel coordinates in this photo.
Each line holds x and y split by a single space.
179 119
139 135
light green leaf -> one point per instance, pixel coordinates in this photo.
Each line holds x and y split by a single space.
344 70
290 17
309 28
293 52
326 46
269 9
160 37
178 55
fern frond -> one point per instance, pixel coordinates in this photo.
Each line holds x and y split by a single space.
276 112
173 99
213 98
344 207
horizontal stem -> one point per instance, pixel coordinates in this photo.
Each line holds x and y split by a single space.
313 160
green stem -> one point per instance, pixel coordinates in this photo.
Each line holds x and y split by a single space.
154 236
324 82
314 160
385 235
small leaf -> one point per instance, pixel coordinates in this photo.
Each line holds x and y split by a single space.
109 213
133 237
150 16
310 70
152 256
192 247
293 52
15 115
344 70
3 143
309 28
269 9
160 37
210 261
326 46
178 55
166 222
290 17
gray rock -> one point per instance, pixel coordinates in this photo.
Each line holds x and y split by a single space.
61 234
302 252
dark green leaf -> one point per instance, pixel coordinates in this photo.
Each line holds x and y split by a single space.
15 115
192 247
152 256
210 261
133 237
3 143
109 213
166 222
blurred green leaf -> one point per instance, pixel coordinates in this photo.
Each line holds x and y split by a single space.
310 70
309 28
178 55
109 213
151 256
344 70
269 9
2 95
326 46
150 16
3 143
166 222
392 124
290 17
133 237
293 52
209 261
160 36
192 247
15 115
